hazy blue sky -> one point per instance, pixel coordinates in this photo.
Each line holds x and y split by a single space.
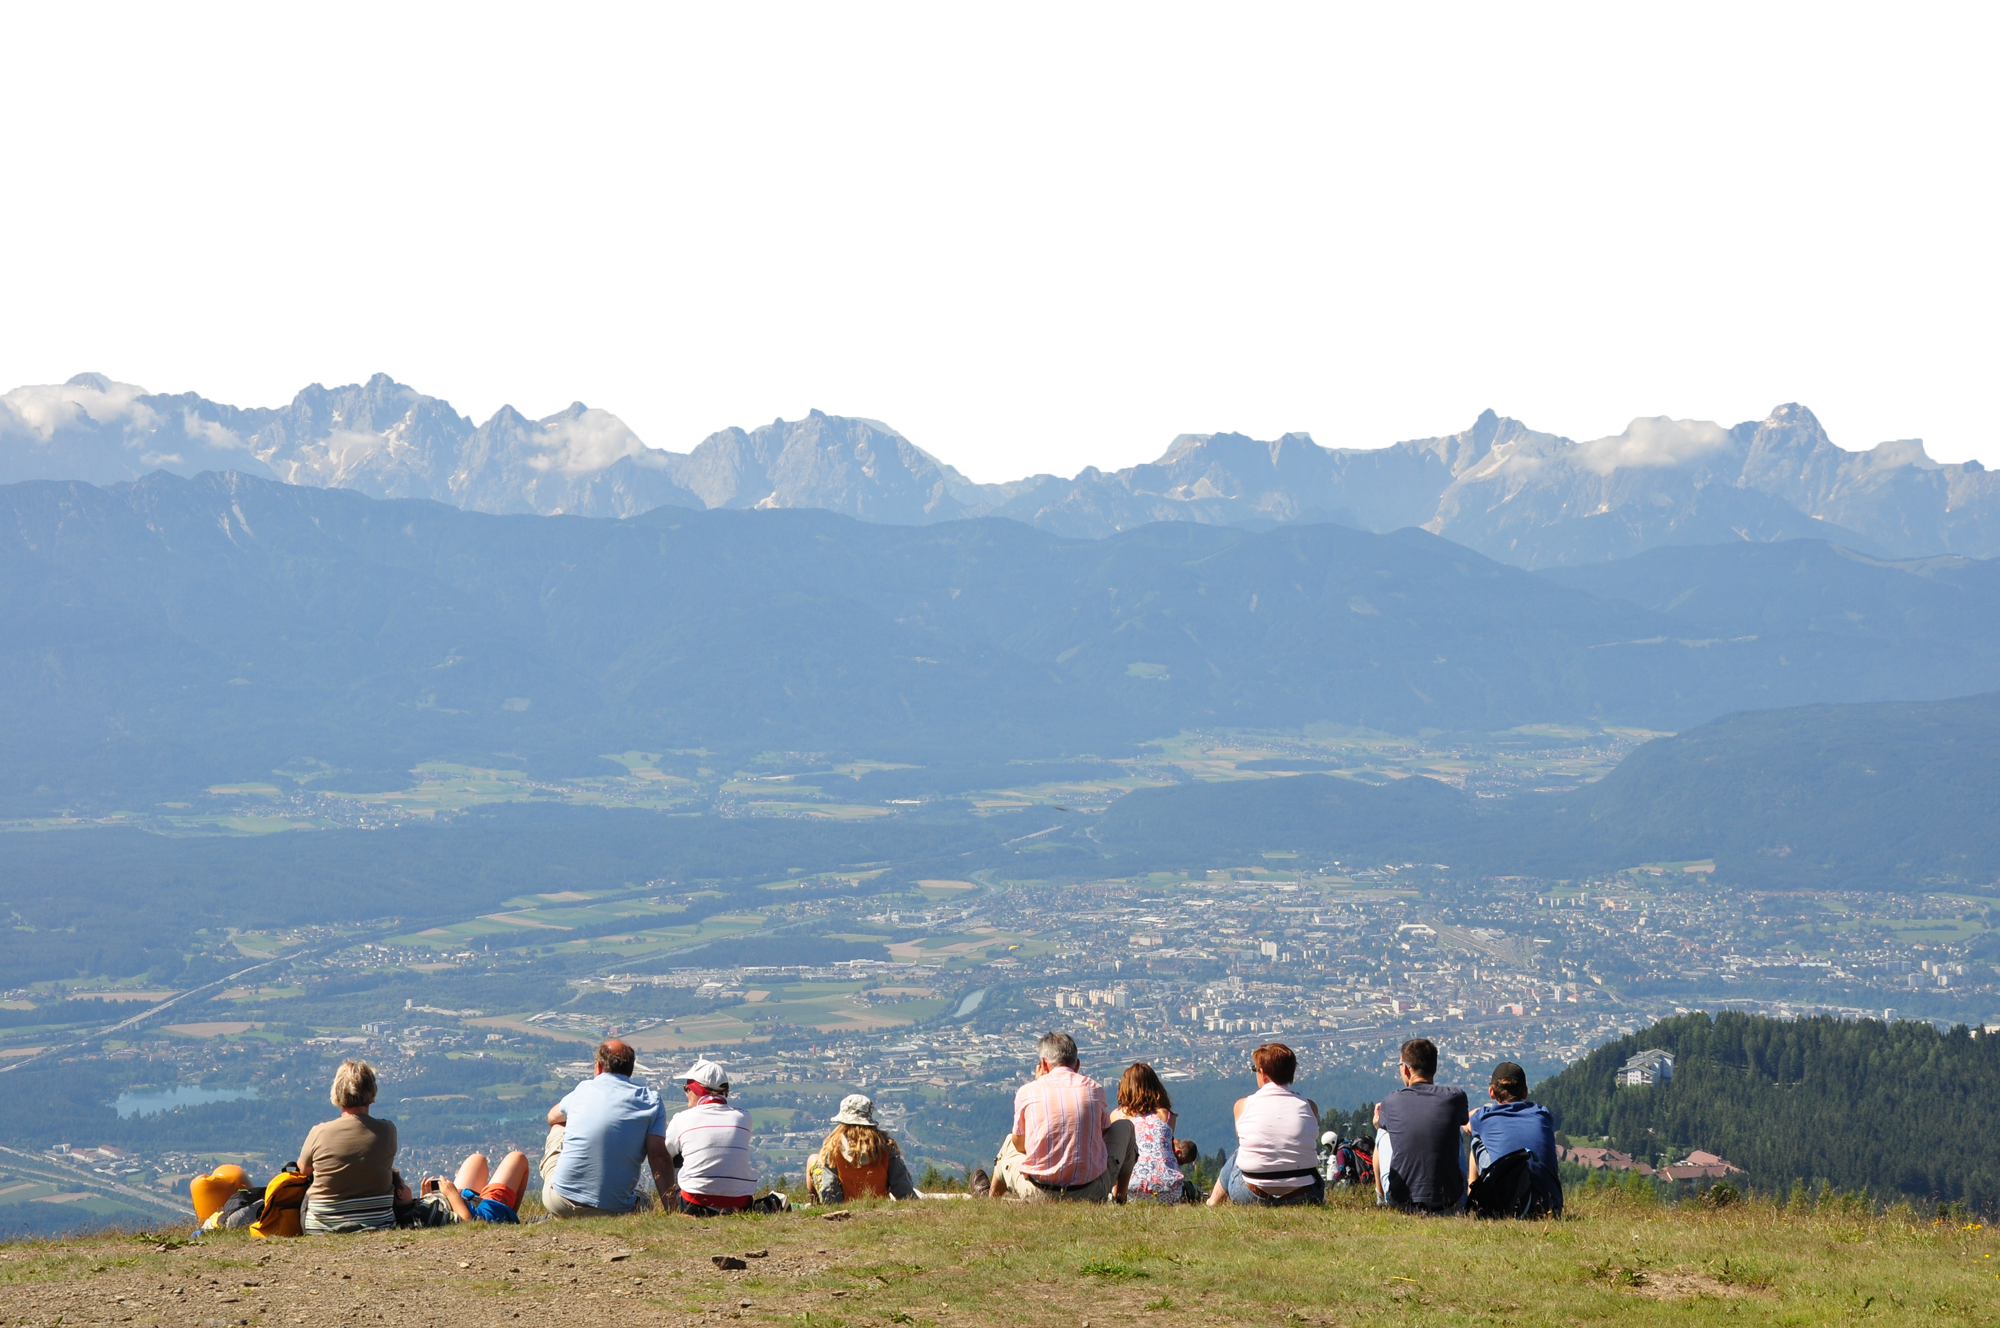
1063 423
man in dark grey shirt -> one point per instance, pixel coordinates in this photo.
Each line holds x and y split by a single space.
1417 1141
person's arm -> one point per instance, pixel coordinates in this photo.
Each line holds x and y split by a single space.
1241 1102
449 1189
900 1184
1019 1138
557 1116
664 1172
304 1166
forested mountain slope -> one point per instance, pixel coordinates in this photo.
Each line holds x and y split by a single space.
1899 1110
1898 796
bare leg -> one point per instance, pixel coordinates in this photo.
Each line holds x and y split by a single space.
472 1174
1218 1196
513 1172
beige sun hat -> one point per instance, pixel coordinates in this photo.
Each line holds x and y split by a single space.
856 1109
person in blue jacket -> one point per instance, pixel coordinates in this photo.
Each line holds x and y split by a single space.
1514 1123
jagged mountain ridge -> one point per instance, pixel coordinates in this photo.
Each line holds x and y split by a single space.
380 438
1524 497
859 468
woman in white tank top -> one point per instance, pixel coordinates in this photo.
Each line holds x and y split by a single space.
1277 1139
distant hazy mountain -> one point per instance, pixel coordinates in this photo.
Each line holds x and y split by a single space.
1537 500
1527 498
172 633
1902 796
1804 590
379 438
855 467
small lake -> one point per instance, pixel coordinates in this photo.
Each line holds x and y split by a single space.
970 1003
149 1100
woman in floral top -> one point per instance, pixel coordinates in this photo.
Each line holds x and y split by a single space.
1142 1099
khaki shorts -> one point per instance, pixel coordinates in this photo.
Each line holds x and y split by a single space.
1120 1152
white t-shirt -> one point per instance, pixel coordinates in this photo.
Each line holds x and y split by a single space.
711 1145
1277 1132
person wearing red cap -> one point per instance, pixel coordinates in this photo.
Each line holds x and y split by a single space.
708 1148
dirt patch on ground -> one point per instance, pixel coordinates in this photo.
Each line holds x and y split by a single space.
1688 1286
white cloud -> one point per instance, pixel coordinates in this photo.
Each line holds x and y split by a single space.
580 444
212 432
1656 441
39 413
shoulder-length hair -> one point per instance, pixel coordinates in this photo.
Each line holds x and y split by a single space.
1140 1092
857 1145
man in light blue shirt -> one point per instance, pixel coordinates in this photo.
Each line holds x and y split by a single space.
598 1137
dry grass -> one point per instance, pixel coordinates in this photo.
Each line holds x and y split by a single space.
973 1262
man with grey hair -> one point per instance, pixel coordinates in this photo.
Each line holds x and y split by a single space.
1064 1145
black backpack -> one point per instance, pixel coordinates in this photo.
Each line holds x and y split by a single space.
1506 1188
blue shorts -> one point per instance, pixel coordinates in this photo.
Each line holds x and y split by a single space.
485 1209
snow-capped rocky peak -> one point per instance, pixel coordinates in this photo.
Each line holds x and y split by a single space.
846 464
1473 450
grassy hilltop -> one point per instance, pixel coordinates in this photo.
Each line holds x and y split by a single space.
1007 1263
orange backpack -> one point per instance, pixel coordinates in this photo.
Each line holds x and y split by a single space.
871 1182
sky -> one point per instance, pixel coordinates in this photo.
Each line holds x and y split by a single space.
999 423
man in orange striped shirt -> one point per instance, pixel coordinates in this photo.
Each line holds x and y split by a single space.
1064 1145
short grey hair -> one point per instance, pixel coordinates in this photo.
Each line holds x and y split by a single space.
1057 1049
353 1085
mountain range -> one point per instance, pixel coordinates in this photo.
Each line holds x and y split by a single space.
166 634
1516 495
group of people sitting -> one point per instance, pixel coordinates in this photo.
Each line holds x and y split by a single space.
1066 1144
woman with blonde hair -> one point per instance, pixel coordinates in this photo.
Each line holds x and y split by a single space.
859 1159
351 1161
1143 1100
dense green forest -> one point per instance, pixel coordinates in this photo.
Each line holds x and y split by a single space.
1896 1110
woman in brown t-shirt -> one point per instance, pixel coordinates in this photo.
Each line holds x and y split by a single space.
351 1160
